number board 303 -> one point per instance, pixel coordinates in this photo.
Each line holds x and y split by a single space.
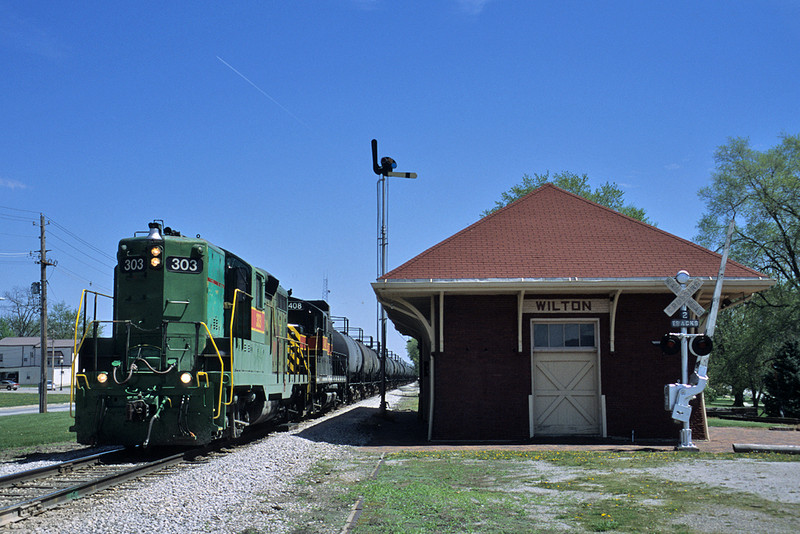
177 264
132 265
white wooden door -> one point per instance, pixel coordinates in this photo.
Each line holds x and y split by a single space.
565 399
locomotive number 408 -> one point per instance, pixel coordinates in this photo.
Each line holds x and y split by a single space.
184 265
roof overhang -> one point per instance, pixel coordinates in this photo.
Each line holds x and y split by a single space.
408 302
496 286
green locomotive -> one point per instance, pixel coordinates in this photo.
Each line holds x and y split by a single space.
200 348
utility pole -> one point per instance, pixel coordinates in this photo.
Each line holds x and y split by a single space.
43 264
384 170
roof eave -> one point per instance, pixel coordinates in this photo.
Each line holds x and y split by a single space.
556 285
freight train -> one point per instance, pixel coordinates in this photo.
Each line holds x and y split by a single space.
203 344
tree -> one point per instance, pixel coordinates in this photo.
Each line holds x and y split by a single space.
761 190
608 194
61 321
745 342
23 319
5 329
783 382
412 348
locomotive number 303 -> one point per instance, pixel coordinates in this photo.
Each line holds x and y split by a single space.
184 265
133 264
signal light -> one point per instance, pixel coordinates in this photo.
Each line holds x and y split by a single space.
670 344
701 345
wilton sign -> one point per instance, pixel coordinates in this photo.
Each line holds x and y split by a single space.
565 305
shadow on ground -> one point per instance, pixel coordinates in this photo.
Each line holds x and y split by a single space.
366 427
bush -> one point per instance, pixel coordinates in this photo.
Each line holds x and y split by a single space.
782 382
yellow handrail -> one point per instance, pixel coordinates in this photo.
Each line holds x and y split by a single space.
230 331
72 377
198 377
221 372
76 347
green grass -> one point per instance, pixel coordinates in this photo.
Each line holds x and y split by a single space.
439 495
8 399
407 402
716 422
720 402
35 429
545 491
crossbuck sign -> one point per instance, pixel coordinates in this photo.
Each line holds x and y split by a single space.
684 296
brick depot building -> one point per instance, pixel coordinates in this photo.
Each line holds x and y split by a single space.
538 321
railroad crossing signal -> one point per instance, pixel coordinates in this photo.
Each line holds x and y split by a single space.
684 296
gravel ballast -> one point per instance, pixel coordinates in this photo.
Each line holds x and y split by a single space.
255 488
249 488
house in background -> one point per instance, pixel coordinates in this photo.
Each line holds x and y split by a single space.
539 320
21 359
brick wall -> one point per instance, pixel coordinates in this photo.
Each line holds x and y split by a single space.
635 375
482 383
480 379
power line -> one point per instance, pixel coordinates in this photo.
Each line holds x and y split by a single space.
81 240
84 263
87 251
18 209
28 236
83 252
80 278
16 218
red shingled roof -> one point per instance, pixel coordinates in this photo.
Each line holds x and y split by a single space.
552 233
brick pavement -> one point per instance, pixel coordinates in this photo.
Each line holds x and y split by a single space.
402 431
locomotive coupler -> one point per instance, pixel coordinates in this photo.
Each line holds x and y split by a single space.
137 410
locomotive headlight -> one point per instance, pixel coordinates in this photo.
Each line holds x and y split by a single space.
156 252
102 378
186 378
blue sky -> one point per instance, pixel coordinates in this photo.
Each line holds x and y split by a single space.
250 122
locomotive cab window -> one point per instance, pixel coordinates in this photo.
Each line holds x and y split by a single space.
238 275
259 292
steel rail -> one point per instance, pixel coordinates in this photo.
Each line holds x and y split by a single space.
61 467
38 504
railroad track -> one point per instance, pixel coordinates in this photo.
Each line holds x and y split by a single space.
28 493
31 492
